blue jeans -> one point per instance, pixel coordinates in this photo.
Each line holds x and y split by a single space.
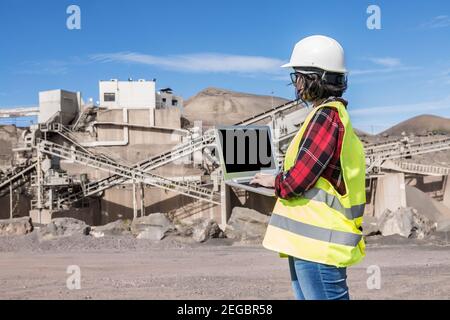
316 281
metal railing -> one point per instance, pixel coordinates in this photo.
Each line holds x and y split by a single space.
15 178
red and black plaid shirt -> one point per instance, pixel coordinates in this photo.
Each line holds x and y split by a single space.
318 156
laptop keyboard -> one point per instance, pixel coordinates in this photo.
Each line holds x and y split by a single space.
255 185
246 183
242 181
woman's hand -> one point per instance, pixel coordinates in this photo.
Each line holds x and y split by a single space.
265 180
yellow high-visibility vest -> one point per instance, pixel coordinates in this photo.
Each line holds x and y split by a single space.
321 225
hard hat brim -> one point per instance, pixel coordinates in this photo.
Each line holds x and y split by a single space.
291 65
287 65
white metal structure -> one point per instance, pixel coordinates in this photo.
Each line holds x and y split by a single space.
134 173
375 158
182 150
64 103
16 177
416 168
115 94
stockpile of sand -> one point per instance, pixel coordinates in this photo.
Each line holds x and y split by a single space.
216 106
428 207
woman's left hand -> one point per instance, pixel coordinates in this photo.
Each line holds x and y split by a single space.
265 180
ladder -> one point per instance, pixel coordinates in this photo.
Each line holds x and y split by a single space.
127 172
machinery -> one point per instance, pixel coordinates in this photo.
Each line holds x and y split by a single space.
62 137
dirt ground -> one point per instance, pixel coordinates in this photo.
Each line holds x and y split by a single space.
125 268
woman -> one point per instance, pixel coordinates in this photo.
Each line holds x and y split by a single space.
317 218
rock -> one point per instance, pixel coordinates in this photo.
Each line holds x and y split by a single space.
16 226
153 227
370 226
63 227
246 225
422 226
184 230
206 229
397 222
406 222
116 228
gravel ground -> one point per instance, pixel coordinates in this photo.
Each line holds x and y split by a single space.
127 268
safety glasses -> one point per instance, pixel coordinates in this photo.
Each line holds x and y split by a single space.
296 75
336 78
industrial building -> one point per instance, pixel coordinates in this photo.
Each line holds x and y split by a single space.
129 156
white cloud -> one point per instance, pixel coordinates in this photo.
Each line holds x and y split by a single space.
387 65
425 107
19 108
360 72
386 61
440 78
377 119
442 21
198 62
50 67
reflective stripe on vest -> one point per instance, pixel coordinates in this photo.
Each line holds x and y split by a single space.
314 232
333 202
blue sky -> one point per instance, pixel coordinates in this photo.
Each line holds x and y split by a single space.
397 72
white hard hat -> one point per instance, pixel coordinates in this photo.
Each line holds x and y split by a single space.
318 52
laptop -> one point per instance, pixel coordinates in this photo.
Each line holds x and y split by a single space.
243 152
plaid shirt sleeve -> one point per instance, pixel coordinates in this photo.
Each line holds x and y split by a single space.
318 145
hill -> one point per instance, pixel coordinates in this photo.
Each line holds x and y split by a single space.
420 125
219 106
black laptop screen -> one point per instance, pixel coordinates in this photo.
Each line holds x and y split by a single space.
246 149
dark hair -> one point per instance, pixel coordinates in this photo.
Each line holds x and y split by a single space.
318 85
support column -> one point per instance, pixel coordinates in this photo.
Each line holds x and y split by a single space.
134 200
151 113
225 204
50 197
39 181
390 193
446 199
10 201
142 196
